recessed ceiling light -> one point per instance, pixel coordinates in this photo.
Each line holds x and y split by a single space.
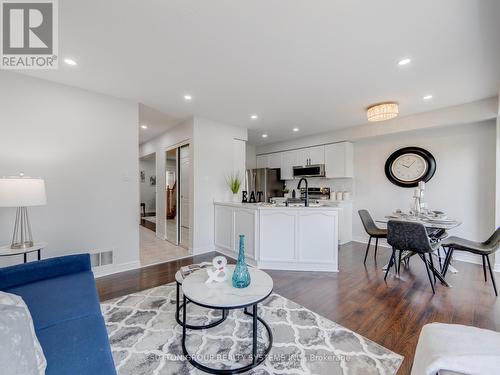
70 62
254 117
295 129
405 61
427 97
144 126
188 97
264 135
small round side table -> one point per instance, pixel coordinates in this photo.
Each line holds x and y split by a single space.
178 281
6 251
223 296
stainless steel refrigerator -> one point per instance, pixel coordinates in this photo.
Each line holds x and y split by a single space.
267 180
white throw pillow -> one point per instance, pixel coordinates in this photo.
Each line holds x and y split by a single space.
19 346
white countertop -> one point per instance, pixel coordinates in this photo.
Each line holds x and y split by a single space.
267 206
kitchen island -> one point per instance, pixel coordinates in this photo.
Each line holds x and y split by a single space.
282 238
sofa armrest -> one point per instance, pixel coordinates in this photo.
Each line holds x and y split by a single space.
45 269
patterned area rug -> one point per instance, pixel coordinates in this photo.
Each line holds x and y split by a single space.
145 339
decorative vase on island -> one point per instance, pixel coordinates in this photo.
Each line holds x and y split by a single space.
241 276
236 198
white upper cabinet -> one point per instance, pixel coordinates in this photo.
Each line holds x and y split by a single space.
269 161
310 155
339 160
316 155
288 161
274 160
337 157
261 161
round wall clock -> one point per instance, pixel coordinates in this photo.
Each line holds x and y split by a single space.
408 166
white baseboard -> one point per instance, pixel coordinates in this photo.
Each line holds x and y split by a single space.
457 255
381 242
233 255
115 268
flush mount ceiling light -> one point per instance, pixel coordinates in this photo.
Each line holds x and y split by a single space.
144 126
404 61
70 62
427 97
188 98
254 117
295 129
264 135
382 111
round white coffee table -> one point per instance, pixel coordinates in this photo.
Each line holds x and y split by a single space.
179 279
223 296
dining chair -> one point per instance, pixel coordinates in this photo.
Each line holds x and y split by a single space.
372 230
484 249
410 236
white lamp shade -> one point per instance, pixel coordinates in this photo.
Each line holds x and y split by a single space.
22 192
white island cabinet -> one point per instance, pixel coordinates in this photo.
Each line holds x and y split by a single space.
283 238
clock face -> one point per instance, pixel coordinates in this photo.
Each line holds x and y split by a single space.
409 167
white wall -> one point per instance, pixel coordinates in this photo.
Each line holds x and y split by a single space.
148 191
213 160
463 185
85 147
182 133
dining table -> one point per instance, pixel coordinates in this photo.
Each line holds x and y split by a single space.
436 224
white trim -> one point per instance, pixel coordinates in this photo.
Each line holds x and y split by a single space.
381 242
293 266
457 255
115 268
467 257
233 255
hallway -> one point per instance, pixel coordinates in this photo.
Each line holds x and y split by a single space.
154 250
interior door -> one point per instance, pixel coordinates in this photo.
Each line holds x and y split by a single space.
185 204
171 193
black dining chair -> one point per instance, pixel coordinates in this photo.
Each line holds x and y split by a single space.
484 249
372 230
409 236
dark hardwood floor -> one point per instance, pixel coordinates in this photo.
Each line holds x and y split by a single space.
357 297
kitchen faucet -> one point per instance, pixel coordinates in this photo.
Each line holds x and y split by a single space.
307 190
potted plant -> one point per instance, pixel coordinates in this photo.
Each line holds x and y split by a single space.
286 192
234 183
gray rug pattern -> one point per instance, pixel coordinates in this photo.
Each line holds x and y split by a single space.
146 339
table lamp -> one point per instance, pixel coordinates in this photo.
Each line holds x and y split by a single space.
22 192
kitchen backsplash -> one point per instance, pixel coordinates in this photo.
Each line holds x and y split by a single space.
335 184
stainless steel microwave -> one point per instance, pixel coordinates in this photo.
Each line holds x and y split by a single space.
317 170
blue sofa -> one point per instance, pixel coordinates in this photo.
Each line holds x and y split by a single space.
62 298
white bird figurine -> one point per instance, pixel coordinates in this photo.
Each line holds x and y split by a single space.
218 273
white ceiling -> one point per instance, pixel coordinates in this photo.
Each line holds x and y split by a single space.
311 64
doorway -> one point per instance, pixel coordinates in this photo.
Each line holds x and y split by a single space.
147 188
178 204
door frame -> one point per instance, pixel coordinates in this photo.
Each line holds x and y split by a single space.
177 147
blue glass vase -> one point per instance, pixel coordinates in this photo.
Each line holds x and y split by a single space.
241 276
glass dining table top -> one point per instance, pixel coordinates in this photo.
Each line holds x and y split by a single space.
427 220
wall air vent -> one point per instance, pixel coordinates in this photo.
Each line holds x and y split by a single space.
103 258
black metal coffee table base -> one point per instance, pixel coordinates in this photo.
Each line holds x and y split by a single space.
189 326
256 359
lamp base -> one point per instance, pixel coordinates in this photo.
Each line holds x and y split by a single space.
22 238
